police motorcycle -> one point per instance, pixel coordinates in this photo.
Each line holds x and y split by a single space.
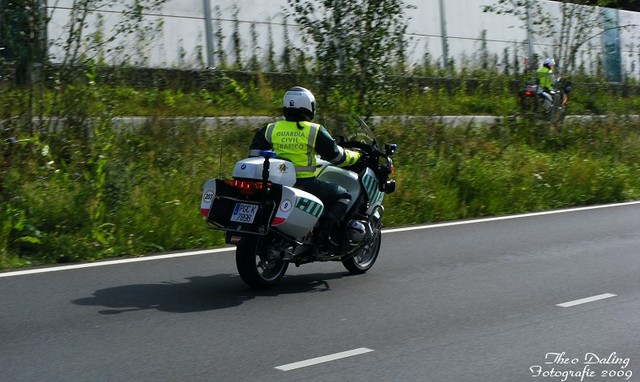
273 224
534 104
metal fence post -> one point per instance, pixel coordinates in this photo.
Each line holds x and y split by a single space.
443 31
208 31
530 54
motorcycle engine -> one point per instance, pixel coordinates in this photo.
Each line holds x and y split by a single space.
357 230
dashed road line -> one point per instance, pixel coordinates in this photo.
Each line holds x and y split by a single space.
586 300
323 359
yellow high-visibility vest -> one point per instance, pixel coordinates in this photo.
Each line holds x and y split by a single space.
295 145
544 74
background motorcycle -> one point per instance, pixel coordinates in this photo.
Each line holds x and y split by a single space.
534 105
272 223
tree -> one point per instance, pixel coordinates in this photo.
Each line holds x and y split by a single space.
77 47
22 37
72 57
630 5
573 28
357 43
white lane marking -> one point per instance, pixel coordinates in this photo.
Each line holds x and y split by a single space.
113 262
586 300
323 359
230 249
499 218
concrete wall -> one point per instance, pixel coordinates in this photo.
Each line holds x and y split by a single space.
181 39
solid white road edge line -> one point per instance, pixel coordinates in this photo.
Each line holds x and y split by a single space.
499 218
230 249
323 359
586 300
112 262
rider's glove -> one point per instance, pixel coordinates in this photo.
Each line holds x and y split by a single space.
350 157
364 156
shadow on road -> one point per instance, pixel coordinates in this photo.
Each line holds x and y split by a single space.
200 293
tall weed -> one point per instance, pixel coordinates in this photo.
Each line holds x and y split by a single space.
446 173
91 190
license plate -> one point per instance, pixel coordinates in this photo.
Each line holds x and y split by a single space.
244 213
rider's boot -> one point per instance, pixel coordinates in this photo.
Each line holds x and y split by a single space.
328 235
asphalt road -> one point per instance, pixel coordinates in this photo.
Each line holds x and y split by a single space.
553 297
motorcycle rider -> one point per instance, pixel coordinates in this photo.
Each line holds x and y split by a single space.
297 139
545 83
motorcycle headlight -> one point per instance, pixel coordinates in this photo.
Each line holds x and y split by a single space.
388 187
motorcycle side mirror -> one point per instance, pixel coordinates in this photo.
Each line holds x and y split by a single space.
567 87
388 186
390 149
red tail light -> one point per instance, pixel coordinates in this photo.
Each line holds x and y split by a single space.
277 221
247 187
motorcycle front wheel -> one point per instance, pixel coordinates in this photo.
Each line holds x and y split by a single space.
255 267
557 116
365 257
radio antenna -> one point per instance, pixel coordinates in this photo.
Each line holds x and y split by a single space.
220 164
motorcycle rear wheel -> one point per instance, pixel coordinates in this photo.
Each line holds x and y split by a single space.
255 268
528 104
364 258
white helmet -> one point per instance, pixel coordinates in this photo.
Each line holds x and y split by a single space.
548 62
299 103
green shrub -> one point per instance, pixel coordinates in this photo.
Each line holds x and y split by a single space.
448 173
89 190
